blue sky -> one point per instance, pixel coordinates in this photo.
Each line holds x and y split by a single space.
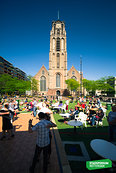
91 32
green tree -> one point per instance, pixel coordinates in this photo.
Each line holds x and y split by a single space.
105 84
10 85
29 77
22 86
6 84
90 86
72 85
34 86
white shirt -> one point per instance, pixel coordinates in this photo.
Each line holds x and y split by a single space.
40 105
34 103
67 102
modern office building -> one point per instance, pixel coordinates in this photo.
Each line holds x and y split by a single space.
52 81
7 68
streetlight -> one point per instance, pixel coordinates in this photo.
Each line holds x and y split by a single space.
81 76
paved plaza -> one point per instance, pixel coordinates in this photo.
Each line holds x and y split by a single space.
17 153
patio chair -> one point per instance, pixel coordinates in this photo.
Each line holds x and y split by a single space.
64 108
81 117
104 111
99 123
76 116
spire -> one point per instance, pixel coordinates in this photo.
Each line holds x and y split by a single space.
58 14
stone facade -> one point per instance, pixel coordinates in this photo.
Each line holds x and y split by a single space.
74 74
52 82
42 73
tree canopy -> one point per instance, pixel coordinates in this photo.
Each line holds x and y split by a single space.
104 85
11 85
34 86
72 84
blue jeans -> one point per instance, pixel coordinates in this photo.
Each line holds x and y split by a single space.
112 132
93 120
34 111
11 115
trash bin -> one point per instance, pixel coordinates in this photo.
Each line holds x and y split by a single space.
109 105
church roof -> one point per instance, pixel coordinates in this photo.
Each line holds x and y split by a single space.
42 68
73 68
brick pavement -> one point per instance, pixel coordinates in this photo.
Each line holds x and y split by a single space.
16 154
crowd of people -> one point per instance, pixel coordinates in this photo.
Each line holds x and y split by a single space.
44 136
91 107
8 109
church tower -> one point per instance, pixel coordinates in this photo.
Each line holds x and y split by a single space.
52 82
57 59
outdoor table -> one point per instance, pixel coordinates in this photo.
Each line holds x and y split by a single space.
75 123
104 149
66 115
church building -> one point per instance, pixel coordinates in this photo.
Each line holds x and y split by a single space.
52 81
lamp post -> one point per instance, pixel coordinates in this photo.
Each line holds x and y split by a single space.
80 76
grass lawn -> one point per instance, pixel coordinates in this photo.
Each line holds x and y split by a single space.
84 135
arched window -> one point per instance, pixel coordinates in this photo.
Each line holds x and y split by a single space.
62 43
73 72
58 31
58 60
53 43
57 80
58 44
42 83
43 72
74 77
54 28
62 28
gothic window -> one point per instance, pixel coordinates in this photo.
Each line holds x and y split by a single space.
53 43
58 60
43 72
58 31
54 28
73 72
62 43
62 28
74 77
42 83
57 80
58 44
